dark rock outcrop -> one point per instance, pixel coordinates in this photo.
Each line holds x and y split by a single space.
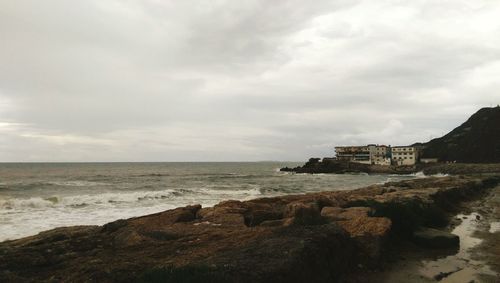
318 237
329 165
341 167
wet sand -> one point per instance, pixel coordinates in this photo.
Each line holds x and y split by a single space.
477 259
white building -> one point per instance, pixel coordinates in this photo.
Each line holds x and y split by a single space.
404 155
358 154
380 154
369 154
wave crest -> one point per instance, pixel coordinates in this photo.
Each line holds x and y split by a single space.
128 198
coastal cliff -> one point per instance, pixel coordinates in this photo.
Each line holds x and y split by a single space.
475 141
320 237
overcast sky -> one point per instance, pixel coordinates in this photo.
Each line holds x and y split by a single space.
238 80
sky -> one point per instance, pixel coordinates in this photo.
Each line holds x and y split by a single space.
155 80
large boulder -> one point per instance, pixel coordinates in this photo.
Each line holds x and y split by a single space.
229 213
296 253
369 233
259 212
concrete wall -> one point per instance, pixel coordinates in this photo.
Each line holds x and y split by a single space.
404 155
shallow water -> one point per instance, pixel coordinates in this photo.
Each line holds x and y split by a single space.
37 197
460 267
494 227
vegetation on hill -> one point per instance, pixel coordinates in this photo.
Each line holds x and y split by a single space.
475 141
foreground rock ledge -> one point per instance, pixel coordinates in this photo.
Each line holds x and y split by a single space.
319 237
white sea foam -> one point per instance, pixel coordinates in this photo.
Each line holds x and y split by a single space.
494 227
85 199
23 217
14 203
77 183
421 174
126 197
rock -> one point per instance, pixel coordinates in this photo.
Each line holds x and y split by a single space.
260 212
273 223
161 235
303 213
228 213
180 214
372 226
127 239
331 213
318 253
355 212
369 233
113 226
433 238
221 216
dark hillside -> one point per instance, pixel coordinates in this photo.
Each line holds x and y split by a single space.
475 141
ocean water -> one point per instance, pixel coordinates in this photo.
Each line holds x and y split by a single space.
39 196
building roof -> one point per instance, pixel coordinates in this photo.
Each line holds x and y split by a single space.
400 146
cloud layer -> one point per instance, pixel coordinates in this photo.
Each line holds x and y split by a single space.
232 80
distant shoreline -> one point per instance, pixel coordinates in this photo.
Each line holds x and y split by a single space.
314 165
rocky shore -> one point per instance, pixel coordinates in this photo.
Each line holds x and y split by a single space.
329 165
320 237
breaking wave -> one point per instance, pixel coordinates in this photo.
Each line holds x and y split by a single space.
129 198
77 183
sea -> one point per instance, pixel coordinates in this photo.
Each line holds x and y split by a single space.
40 196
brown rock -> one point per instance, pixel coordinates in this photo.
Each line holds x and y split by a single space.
273 223
373 226
332 213
225 213
169 217
127 239
260 212
303 213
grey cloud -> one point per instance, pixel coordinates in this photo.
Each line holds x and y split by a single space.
231 80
